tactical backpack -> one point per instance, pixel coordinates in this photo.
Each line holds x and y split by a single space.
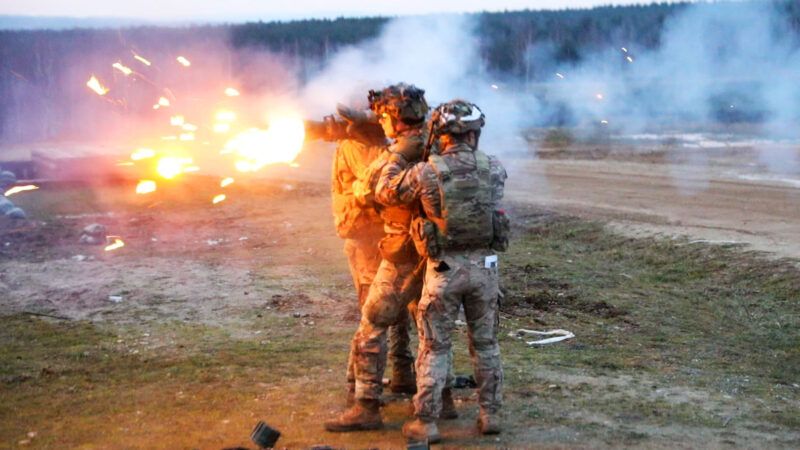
467 208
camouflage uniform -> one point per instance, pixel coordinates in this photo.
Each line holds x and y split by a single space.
361 227
458 236
386 304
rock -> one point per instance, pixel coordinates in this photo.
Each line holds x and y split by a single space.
7 178
16 213
89 240
5 205
95 230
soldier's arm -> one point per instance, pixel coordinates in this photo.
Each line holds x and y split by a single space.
498 178
365 186
429 192
398 183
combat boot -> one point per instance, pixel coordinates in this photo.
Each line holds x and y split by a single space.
404 381
448 405
421 430
488 423
364 415
350 400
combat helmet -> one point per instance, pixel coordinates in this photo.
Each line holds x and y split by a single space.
402 101
457 117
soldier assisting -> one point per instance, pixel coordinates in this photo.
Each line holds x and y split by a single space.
359 143
460 227
401 111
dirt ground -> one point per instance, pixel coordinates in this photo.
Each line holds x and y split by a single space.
728 193
215 316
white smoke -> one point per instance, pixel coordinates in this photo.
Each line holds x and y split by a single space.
437 53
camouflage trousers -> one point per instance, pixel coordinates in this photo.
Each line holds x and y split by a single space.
364 259
453 280
384 313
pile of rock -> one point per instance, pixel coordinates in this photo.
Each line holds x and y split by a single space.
7 207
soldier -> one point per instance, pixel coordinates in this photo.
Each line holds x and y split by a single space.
460 226
401 111
359 143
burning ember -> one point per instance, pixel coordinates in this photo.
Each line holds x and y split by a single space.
218 198
163 101
145 187
125 70
183 61
231 92
116 243
226 182
94 84
30 187
142 153
142 60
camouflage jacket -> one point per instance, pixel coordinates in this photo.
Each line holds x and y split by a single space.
396 215
418 185
353 219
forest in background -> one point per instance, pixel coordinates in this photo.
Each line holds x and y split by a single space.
36 65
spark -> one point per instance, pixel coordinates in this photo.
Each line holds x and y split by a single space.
117 243
604 122
599 96
629 58
221 127
218 198
189 127
141 59
169 167
124 164
17 189
226 182
231 92
176 121
191 169
559 75
624 49
225 116
142 153
169 138
183 61
124 69
188 136
94 84
163 101
145 187
495 87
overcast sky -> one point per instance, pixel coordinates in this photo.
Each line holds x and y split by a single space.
235 10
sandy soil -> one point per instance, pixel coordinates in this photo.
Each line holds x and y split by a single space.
718 195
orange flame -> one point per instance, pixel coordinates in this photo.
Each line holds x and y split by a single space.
218 198
169 167
117 243
17 189
280 143
183 61
145 187
94 84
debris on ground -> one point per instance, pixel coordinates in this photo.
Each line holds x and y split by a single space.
94 234
559 335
